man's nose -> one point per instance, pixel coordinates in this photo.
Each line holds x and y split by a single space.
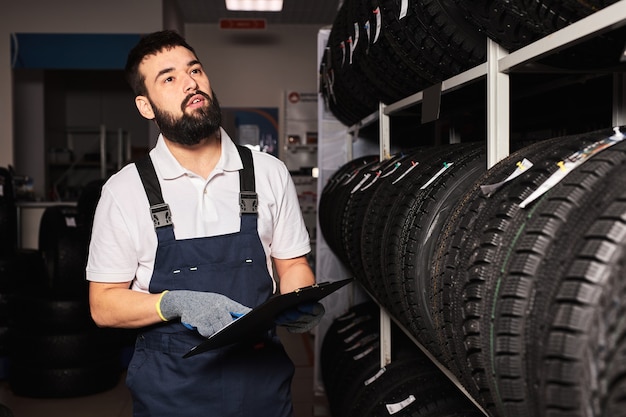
190 85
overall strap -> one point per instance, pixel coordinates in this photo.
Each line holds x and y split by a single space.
159 210
248 200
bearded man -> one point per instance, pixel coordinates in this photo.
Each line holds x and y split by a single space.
187 238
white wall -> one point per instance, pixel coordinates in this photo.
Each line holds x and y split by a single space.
253 67
63 16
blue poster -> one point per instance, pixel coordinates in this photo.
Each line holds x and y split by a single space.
255 126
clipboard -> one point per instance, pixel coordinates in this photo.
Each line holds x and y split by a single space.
261 318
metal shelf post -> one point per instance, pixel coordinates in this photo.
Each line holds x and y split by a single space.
497 106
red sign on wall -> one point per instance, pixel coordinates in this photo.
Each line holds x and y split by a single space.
242 23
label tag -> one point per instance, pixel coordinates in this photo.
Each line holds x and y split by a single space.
521 167
364 353
70 221
446 165
397 407
366 26
378 374
574 160
404 174
404 7
354 41
379 23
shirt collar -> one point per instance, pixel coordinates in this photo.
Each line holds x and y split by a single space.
169 168
230 159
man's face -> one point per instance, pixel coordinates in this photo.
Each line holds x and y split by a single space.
179 96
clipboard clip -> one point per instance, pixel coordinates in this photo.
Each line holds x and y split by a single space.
297 290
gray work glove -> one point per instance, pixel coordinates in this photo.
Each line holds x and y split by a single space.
206 312
302 318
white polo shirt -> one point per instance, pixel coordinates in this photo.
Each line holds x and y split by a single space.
123 243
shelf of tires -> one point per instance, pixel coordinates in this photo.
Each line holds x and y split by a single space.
503 262
49 345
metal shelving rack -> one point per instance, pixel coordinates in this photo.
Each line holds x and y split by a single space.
104 165
122 147
499 64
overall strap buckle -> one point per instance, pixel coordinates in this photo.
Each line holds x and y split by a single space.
248 202
161 215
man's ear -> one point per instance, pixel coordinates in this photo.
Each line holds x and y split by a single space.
144 107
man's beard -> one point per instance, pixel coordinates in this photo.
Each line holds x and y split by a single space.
190 129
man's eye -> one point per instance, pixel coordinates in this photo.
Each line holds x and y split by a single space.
168 79
196 71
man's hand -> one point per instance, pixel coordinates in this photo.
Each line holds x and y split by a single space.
302 318
206 312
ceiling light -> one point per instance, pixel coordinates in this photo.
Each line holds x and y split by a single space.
255 5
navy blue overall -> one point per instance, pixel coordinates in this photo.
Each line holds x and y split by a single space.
244 380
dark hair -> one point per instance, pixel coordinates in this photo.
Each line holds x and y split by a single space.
150 44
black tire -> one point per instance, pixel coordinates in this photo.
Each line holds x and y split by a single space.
615 404
511 24
61 350
358 370
353 212
373 210
54 340
23 268
87 203
434 38
415 378
64 246
576 233
490 227
4 340
456 323
516 23
418 218
390 73
8 214
333 198
350 95
450 257
345 331
403 211
414 169
5 411
29 381
355 383
52 311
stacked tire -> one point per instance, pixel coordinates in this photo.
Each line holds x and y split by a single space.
64 245
20 271
529 291
357 386
56 349
386 50
512 277
19 268
8 243
8 214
